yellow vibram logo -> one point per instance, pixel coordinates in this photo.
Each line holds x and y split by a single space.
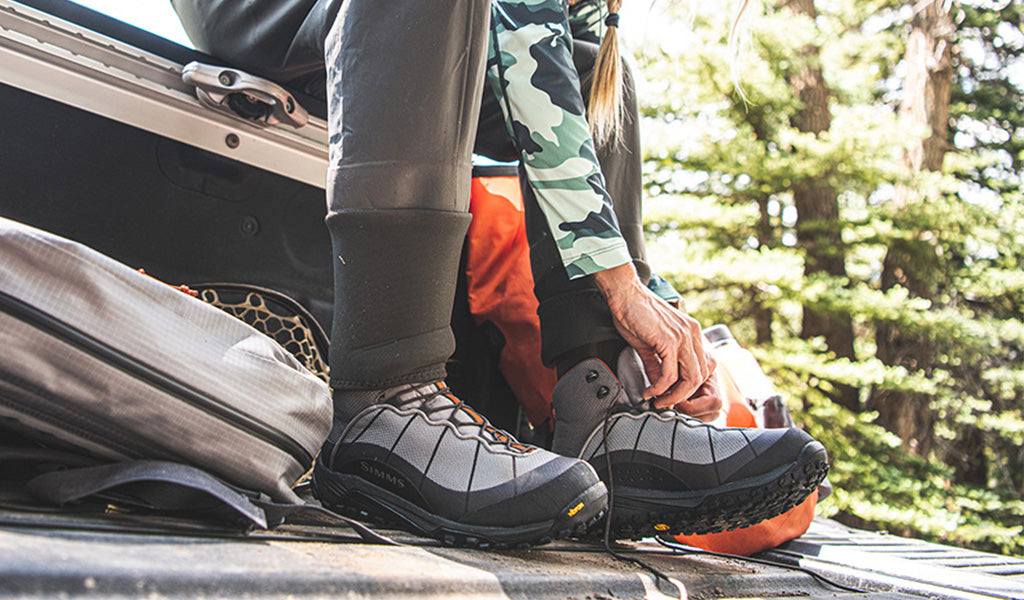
575 509
662 527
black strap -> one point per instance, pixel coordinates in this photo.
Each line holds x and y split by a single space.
278 513
148 483
172 486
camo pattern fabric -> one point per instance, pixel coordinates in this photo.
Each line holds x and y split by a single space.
586 20
530 69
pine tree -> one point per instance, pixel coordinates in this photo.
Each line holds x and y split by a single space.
908 259
924 258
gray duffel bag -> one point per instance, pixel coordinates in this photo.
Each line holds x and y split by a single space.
156 385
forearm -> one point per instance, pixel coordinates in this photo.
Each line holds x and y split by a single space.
531 71
619 286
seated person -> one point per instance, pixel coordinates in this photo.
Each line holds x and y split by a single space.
404 81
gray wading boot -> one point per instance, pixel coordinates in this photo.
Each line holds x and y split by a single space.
672 474
421 460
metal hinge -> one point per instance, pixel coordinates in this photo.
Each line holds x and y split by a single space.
252 98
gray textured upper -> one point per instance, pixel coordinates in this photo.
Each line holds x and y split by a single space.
428 429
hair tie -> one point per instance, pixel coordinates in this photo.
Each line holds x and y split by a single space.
612 20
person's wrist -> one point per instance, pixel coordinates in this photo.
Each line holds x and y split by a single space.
618 284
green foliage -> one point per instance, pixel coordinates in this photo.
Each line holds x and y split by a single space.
987 106
878 483
722 227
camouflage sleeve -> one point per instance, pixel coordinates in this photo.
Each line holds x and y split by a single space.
530 68
586 19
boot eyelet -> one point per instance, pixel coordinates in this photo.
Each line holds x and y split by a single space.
602 391
591 376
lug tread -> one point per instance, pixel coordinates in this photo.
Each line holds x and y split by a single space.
725 512
356 506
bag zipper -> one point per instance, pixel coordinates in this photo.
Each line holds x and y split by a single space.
143 372
133 446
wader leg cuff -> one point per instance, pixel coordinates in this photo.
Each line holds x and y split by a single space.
394 284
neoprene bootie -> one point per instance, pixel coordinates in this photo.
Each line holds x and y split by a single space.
394 285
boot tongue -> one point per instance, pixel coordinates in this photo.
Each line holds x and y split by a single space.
630 371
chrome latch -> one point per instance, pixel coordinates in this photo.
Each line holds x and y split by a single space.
252 98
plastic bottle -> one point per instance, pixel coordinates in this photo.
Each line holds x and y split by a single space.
766 403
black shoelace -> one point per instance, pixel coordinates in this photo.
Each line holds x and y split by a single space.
658 575
684 549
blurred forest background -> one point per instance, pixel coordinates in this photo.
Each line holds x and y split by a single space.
858 222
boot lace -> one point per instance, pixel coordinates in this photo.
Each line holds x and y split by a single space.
436 401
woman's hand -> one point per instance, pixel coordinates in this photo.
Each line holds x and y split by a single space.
669 341
705 404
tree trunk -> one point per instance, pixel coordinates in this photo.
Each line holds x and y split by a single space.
927 85
818 228
926 96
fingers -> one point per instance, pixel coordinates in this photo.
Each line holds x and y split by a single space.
693 368
704 408
700 361
705 404
669 341
674 395
652 366
712 365
684 390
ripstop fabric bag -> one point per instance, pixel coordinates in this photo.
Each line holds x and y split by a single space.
104 360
